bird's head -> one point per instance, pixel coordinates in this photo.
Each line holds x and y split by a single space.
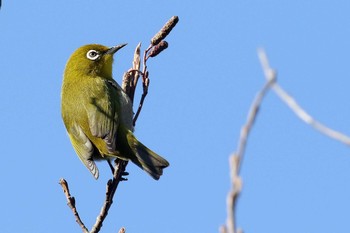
93 59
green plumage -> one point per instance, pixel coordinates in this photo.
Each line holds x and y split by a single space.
98 114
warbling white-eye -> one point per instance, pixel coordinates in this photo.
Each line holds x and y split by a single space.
98 114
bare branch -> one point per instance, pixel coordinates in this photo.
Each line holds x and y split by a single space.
237 158
157 46
110 191
145 84
71 204
137 60
295 107
232 196
131 77
111 188
223 229
253 112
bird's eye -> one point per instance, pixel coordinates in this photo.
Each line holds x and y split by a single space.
92 55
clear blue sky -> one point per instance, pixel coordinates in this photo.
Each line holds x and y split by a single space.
295 179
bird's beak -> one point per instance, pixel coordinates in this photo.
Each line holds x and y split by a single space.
114 49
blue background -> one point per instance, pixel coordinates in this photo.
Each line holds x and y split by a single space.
295 179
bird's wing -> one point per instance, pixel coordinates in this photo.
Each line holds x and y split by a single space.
84 148
103 117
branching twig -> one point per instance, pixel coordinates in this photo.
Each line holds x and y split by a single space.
110 191
145 84
131 77
237 158
253 112
156 47
295 107
71 204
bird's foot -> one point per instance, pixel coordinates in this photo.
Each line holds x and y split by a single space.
124 178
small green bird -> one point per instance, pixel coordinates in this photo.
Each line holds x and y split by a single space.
98 114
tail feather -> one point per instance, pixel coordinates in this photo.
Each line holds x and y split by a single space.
146 159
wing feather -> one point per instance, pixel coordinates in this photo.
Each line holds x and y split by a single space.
103 117
84 148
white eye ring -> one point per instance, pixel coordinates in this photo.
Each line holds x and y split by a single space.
93 55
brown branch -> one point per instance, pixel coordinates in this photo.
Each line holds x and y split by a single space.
112 185
131 77
145 85
71 204
156 47
111 188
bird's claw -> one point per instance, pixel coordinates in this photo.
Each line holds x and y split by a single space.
124 174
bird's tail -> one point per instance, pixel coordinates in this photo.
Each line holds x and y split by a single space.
145 158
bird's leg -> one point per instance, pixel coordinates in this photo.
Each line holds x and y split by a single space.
119 162
110 165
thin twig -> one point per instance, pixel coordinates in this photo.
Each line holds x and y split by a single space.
237 158
137 62
71 204
157 46
253 112
145 83
295 107
131 77
304 116
111 188
110 191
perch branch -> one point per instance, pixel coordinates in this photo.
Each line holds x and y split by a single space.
119 171
111 188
